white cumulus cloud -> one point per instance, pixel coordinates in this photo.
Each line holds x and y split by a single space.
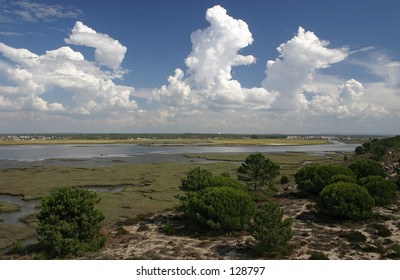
208 82
299 60
88 87
108 51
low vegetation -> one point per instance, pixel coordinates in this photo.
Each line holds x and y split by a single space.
312 179
220 208
7 207
382 190
345 201
271 231
367 167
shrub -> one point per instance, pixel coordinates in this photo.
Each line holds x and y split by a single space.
345 200
257 171
343 178
359 150
353 236
318 256
381 189
270 231
284 180
220 208
367 167
378 151
311 179
199 178
381 230
69 224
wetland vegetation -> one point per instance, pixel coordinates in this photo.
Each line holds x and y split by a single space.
142 188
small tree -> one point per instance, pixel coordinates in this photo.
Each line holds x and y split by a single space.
258 172
69 224
270 231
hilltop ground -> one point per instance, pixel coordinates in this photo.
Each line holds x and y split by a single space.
164 236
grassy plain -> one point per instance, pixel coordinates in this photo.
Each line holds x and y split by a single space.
147 188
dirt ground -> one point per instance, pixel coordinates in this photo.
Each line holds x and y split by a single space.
165 236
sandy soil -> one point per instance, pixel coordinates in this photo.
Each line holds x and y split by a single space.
164 236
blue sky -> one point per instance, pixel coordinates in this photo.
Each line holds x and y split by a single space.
200 66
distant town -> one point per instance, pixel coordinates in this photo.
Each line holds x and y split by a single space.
158 136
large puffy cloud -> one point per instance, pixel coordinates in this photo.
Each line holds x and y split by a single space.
346 102
209 83
108 51
30 76
299 60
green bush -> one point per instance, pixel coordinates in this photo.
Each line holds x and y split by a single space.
318 256
381 189
345 200
367 167
69 224
343 178
311 179
220 208
284 180
381 230
270 231
199 179
353 236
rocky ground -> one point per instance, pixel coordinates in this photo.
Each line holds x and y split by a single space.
165 236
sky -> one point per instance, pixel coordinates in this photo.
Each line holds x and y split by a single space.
254 66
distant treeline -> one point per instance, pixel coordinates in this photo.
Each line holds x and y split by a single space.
127 136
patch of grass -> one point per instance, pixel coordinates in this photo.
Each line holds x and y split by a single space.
12 234
381 230
353 236
168 229
373 249
30 220
396 248
8 207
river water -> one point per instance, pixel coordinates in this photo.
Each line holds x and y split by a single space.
43 152
94 155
